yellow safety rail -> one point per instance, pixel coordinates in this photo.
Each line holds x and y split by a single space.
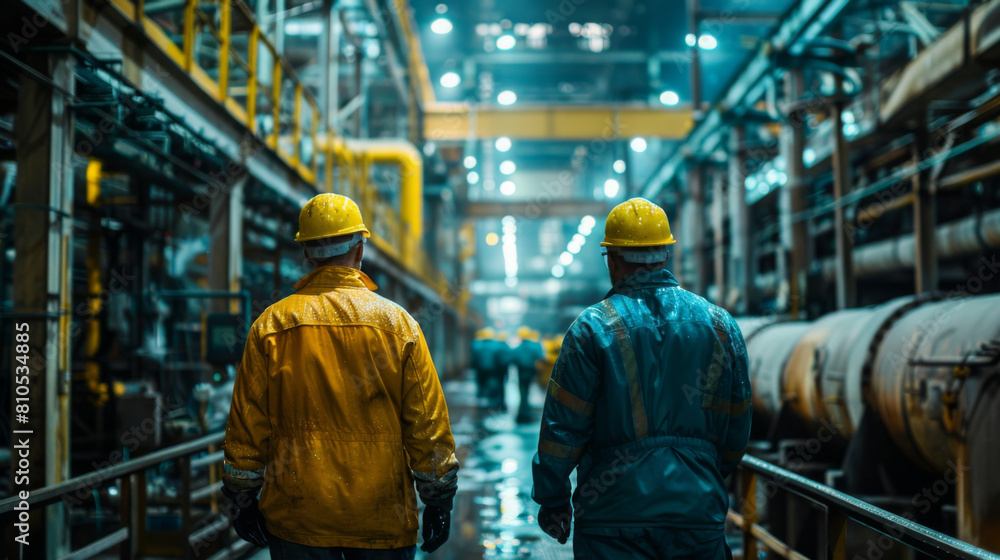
244 100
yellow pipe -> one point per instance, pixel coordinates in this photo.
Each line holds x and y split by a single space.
411 170
225 32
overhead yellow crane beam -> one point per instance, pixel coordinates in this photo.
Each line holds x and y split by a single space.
460 121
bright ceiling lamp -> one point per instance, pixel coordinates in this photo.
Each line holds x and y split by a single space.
611 187
619 166
707 42
470 162
669 98
502 144
441 26
472 177
558 271
573 247
507 167
506 42
492 239
450 79
638 145
566 258
579 239
589 221
507 188
507 97
690 40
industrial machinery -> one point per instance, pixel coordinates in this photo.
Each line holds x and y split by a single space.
898 404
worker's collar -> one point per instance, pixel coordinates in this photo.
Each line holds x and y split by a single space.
336 277
661 278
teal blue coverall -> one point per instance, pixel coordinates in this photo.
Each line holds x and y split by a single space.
528 352
484 361
650 402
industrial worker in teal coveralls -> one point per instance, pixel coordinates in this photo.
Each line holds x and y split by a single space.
650 402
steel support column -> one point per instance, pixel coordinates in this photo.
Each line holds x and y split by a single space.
225 254
924 218
740 247
693 224
846 289
718 234
43 132
794 235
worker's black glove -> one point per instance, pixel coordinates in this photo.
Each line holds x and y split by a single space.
247 519
556 521
437 527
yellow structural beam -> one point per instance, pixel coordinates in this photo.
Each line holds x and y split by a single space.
454 121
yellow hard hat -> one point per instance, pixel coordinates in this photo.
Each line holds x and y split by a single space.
329 215
484 334
637 222
502 336
527 333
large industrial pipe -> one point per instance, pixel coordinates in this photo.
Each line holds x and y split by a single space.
768 349
918 381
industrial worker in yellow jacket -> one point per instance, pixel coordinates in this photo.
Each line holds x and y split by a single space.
337 410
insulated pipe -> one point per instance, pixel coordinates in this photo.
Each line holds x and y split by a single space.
768 350
919 402
954 239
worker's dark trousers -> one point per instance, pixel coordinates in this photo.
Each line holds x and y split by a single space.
284 550
497 382
650 544
525 376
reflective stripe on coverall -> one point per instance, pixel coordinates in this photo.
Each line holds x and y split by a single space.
650 401
337 409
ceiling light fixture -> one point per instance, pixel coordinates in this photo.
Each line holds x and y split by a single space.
506 42
472 177
619 166
707 42
507 188
450 79
441 26
502 144
507 167
638 145
507 97
469 161
670 98
611 187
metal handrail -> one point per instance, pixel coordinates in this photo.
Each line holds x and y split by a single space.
132 496
840 507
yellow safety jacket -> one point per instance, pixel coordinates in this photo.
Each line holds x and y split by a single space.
337 410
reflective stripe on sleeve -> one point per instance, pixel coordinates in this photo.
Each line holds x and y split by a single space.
631 370
724 406
559 450
569 400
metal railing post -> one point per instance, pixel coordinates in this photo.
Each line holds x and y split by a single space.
297 125
189 14
225 35
748 487
276 101
836 535
252 79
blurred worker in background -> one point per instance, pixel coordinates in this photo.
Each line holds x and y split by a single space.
529 353
337 410
551 345
651 387
498 378
483 361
